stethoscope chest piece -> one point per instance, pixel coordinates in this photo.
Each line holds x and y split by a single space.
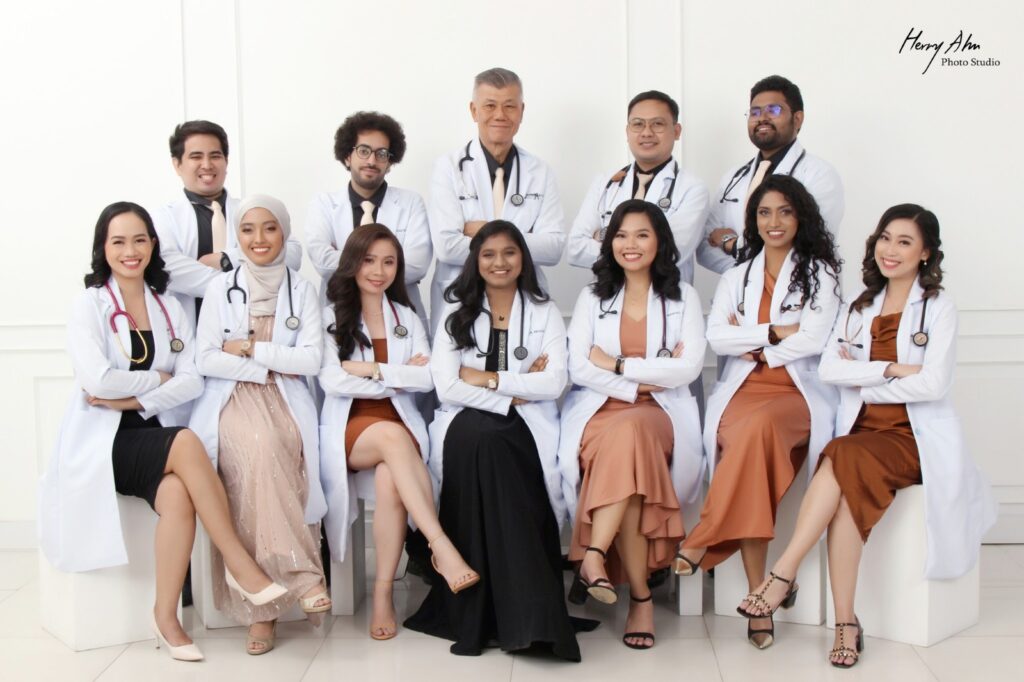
177 345
517 199
664 353
291 322
920 339
400 331
520 353
664 203
741 308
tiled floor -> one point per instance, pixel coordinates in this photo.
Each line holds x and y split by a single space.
708 648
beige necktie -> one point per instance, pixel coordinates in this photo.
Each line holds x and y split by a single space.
762 170
218 227
499 192
641 185
367 218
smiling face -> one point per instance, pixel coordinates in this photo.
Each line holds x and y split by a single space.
260 236
500 262
498 113
768 133
900 249
378 269
203 166
635 244
128 247
776 221
652 143
369 173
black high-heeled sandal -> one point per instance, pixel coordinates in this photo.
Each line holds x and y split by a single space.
757 598
682 566
600 589
639 635
844 652
767 641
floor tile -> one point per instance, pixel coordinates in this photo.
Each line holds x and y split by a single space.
422 659
18 568
19 613
1015 552
690 659
45 659
667 622
963 659
1002 613
998 567
729 626
4 594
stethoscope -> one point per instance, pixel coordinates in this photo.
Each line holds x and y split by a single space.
517 198
520 351
664 351
920 337
177 345
400 329
291 322
664 203
742 173
742 307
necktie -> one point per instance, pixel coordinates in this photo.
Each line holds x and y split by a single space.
367 218
499 192
641 185
762 170
218 227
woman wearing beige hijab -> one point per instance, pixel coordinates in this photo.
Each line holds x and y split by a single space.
259 336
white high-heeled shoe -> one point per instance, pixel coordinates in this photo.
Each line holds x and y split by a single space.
267 594
185 652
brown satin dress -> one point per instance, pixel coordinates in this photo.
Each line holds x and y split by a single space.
264 473
365 412
762 443
879 456
626 450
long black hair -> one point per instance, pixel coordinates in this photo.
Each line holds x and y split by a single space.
343 292
468 288
929 272
154 275
813 242
610 277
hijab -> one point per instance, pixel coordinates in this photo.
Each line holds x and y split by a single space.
264 280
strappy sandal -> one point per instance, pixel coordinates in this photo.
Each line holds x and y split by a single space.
267 643
464 581
309 604
639 635
757 598
600 589
684 567
844 652
767 641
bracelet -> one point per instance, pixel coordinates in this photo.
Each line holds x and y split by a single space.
618 364
376 371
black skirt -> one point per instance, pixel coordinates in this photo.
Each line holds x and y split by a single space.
495 508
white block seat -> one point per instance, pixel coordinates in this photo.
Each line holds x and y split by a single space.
894 600
348 578
108 606
731 580
690 589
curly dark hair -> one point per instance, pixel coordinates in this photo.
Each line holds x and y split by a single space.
154 275
468 288
790 92
362 121
343 292
813 241
609 275
929 271
185 130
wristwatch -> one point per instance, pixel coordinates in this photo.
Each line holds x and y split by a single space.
773 338
618 364
492 382
247 347
225 262
376 371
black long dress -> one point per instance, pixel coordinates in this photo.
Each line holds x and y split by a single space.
495 508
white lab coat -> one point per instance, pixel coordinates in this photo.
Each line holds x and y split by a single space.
329 223
457 198
290 352
79 524
544 334
592 386
399 383
799 353
686 215
816 174
959 506
178 236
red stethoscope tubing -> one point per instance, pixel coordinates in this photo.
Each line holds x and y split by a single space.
177 345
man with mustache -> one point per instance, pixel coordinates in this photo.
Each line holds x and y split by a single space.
774 120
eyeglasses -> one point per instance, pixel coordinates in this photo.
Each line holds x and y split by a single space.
364 151
657 125
769 110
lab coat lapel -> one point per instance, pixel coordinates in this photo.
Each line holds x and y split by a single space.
124 333
514 333
785 166
752 293
654 323
781 285
482 180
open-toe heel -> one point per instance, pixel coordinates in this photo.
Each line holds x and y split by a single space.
464 581
639 635
757 598
682 566
600 589
844 652
768 632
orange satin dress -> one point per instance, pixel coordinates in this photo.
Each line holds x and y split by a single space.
879 456
762 443
365 412
626 450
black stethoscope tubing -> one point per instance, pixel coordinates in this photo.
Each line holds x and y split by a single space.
291 322
520 351
919 338
741 308
664 203
517 198
664 351
742 173
400 330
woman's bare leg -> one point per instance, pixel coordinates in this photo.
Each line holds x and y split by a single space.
390 521
632 549
175 533
845 545
604 526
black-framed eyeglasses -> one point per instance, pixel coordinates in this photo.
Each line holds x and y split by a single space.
769 110
365 151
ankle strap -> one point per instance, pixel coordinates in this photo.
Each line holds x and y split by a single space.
779 577
598 550
649 597
847 625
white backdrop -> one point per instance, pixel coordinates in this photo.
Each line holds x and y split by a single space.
93 89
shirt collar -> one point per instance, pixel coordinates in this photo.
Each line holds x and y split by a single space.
205 201
654 171
492 163
775 158
357 199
